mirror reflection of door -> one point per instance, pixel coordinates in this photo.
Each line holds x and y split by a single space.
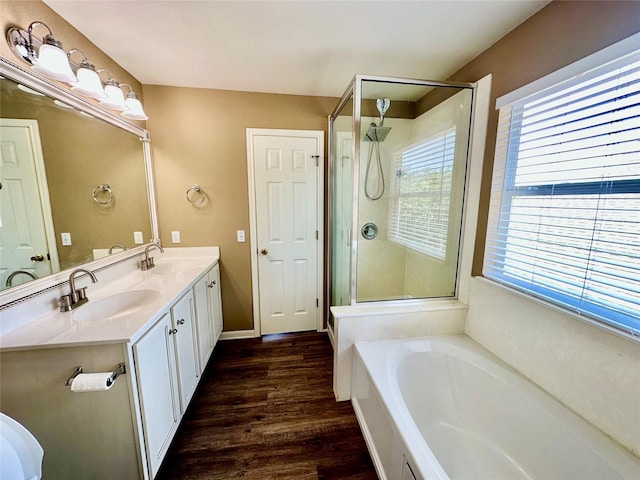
27 242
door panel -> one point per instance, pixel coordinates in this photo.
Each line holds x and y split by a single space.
23 224
285 172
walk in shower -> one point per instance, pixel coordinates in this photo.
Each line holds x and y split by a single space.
397 168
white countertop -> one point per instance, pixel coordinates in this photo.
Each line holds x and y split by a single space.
173 276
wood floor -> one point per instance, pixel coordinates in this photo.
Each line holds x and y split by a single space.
265 410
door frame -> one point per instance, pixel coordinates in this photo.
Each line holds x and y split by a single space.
41 182
253 221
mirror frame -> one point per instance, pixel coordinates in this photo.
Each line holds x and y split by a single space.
55 90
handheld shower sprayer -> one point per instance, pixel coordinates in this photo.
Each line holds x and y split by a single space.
376 134
382 104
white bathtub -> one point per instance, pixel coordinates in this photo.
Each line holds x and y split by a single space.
445 408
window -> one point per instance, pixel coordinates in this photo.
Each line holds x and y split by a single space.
564 221
421 195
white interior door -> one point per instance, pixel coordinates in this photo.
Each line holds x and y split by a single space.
26 225
287 170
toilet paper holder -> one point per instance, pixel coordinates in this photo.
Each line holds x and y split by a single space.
120 370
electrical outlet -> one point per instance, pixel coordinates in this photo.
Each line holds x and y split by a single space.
175 236
137 238
241 238
66 239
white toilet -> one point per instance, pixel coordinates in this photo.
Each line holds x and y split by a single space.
20 453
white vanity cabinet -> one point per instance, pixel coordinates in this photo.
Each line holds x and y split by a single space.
208 313
125 431
185 337
167 370
206 339
215 299
155 361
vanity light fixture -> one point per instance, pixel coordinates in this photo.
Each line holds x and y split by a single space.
88 83
49 60
115 98
134 109
47 57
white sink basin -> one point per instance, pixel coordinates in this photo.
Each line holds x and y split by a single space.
179 267
118 306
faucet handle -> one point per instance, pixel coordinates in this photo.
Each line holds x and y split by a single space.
66 303
81 294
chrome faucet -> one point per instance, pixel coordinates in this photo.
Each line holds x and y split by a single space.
148 262
78 296
19 272
117 245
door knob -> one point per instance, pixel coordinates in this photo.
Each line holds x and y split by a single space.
264 251
37 258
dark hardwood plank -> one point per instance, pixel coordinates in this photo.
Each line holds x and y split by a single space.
265 410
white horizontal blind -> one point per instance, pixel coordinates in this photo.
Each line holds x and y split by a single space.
421 195
565 213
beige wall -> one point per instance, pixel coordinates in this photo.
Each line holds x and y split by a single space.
199 137
560 34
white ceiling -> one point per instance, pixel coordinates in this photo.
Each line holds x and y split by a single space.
296 47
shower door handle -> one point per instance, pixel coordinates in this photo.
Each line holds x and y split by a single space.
264 251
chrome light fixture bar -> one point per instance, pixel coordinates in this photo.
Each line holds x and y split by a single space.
47 57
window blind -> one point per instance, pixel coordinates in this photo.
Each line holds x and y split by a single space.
564 218
421 195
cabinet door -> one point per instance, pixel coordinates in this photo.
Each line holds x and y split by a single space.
215 296
204 319
158 389
186 342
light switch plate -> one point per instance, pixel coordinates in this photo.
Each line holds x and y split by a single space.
175 236
66 239
240 235
137 238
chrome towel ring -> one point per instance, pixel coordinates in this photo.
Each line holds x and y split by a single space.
100 197
193 199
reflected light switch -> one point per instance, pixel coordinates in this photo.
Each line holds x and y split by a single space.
66 239
137 238
240 234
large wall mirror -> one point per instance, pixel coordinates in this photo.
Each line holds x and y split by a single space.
75 180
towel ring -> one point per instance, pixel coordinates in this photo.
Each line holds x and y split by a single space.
104 188
198 189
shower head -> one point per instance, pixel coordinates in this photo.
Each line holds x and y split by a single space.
376 134
382 104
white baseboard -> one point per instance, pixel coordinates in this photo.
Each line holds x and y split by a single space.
238 334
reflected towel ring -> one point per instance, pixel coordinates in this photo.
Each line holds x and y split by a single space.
104 188
198 189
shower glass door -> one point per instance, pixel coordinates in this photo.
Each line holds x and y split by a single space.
341 202
412 158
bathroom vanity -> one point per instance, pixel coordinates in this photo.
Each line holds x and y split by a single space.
162 324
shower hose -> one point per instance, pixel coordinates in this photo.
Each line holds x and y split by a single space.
380 185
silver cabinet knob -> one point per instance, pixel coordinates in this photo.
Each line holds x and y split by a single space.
173 331
37 258
212 284
181 321
264 251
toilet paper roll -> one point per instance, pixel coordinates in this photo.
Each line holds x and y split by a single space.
92 382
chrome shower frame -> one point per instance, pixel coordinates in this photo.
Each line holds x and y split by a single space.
354 92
